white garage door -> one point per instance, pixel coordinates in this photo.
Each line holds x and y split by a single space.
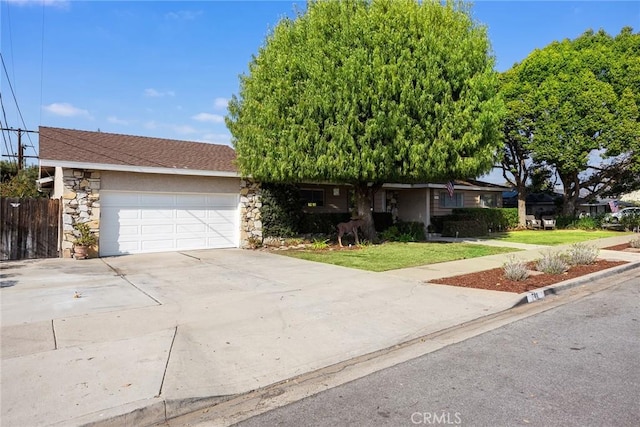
132 222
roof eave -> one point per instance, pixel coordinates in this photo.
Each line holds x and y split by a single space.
136 169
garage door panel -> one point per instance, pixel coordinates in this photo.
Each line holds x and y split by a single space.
149 222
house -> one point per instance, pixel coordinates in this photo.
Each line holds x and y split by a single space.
537 204
405 202
142 194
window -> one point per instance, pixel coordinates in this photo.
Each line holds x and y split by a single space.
489 200
312 198
447 201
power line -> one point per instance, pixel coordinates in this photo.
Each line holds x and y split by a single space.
14 98
20 156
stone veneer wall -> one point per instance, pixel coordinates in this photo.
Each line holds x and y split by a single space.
250 215
80 204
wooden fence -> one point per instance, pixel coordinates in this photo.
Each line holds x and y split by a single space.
29 228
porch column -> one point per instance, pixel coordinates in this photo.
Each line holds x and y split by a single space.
427 221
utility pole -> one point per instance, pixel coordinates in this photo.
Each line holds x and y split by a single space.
20 154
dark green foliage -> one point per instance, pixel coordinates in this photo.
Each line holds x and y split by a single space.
322 223
382 220
630 222
464 228
405 232
496 219
281 210
584 223
361 92
21 183
576 97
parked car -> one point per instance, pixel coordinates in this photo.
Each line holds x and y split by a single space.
617 216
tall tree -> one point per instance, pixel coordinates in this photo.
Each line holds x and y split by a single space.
516 165
366 92
582 111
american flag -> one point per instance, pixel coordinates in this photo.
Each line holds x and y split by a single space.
613 204
450 188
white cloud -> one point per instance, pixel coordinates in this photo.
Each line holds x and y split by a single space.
117 121
217 138
208 117
65 109
153 93
220 103
183 129
151 125
54 3
183 15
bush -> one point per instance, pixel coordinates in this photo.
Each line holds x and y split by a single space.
630 222
582 254
552 263
382 220
318 244
497 219
584 223
281 210
404 232
322 223
515 269
464 228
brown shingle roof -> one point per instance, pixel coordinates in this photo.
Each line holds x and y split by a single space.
80 146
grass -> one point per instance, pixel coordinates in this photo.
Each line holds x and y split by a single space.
390 256
554 237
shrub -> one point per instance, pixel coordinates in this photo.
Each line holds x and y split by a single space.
497 219
413 230
515 269
391 234
318 244
584 223
582 254
281 210
630 222
322 223
464 228
382 220
552 263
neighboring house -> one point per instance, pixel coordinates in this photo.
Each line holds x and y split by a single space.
142 194
537 204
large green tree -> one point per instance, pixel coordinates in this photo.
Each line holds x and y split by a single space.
578 107
365 92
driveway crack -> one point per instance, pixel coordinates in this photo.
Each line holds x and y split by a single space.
166 366
124 277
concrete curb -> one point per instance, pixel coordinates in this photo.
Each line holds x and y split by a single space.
572 283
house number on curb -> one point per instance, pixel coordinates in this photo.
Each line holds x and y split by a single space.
535 296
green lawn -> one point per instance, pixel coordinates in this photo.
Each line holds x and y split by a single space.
554 237
390 256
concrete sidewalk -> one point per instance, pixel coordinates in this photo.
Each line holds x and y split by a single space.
137 339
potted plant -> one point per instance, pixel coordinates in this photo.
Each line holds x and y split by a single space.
83 241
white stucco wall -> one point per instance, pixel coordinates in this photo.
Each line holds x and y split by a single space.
128 181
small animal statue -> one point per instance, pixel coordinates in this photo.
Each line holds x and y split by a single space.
349 227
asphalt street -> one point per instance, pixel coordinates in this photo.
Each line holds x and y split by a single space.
575 365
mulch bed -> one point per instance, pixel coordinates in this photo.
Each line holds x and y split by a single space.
623 247
494 279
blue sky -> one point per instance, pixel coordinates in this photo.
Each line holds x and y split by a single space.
167 68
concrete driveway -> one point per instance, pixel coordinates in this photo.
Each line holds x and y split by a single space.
87 340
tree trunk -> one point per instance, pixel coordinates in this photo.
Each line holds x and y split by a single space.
522 208
363 205
571 191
